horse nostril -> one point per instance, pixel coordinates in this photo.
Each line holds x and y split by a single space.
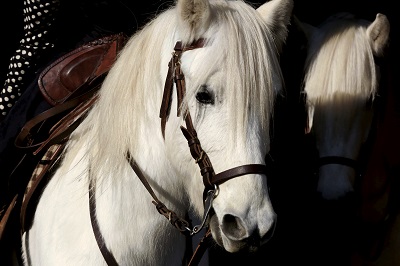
233 228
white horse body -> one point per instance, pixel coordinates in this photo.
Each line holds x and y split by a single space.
238 69
341 78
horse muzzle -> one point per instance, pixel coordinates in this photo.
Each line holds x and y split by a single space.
233 234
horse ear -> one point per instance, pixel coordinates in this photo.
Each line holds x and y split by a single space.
277 13
194 16
378 33
306 28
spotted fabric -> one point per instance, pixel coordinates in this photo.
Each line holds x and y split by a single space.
39 16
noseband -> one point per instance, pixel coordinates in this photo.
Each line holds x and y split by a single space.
338 160
359 164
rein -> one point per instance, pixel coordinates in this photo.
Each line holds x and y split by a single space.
210 179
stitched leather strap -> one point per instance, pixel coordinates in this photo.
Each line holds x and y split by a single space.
200 156
174 74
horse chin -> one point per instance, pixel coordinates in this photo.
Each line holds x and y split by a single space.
249 244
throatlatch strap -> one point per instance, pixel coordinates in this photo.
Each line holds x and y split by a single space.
181 224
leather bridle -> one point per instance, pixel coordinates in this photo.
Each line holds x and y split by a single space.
338 160
359 164
210 179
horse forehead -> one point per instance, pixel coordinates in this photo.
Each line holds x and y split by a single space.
205 58
342 106
342 121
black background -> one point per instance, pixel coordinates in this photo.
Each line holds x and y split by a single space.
298 242
128 16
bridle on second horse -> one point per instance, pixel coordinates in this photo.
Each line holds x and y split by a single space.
338 160
210 179
359 164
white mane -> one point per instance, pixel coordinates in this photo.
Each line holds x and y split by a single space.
340 61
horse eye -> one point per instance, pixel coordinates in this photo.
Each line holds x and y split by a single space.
204 96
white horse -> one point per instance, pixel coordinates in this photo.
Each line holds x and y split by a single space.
341 82
230 69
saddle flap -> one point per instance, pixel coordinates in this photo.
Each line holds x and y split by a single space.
75 71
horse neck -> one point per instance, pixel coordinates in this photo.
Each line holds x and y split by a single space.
125 211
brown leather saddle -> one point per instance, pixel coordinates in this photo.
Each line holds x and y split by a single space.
69 85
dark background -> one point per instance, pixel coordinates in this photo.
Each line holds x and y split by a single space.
128 16
297 238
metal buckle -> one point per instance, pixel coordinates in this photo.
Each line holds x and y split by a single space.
211 194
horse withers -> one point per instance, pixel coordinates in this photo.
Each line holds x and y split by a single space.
187 132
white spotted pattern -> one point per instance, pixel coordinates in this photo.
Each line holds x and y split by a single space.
38 19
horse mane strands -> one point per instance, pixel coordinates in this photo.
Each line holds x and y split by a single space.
339 57
258 70
124 91
128 79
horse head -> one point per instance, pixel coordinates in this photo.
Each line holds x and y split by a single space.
229 97
341 82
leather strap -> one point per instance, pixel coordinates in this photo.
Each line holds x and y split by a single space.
167 96
181 224
67 124
204 243
174 74
24 139
107 254
37 181
6 215
200 156
238 171
338 160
